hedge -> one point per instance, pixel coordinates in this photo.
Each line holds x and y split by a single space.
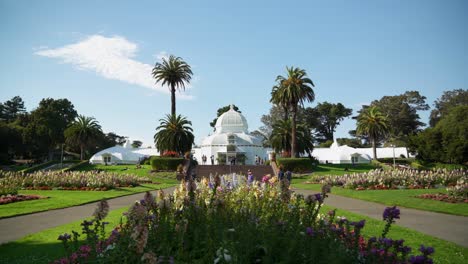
296 164
165 163
404 161
76 166
39 167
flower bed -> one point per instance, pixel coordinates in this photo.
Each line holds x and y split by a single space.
73 180
227 219
6 199
442 197
456 194
393 179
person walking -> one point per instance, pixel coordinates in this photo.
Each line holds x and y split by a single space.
250 177
212 159
288 175
280 173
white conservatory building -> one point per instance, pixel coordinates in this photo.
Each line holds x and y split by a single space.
122 154
231 139
337 154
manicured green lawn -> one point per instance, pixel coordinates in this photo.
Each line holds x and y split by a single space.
404 198
62 199
43 247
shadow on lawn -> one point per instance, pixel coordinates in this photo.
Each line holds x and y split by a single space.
30 252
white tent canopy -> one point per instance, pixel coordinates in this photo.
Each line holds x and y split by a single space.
122 155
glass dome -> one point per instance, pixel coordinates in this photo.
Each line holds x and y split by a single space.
231 122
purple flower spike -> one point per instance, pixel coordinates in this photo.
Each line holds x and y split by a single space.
318 197
309 231
426 250
391 213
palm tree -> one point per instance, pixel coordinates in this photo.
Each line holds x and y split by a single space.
373 124
82 132
174 134
281 137
291 91
175 73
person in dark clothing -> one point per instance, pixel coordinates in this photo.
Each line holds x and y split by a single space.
281 173
288 175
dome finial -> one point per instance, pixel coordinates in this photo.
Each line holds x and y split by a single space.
231 107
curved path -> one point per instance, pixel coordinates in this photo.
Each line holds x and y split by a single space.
448 227
452 228
17 227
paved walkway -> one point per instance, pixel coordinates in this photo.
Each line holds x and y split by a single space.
452 228
14 228
448 227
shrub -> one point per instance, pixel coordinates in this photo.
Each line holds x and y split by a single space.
231 220
296 164
165 163
402 161
39 166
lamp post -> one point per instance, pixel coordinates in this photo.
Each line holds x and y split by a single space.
393 145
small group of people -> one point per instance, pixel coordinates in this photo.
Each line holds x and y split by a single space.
284 174
205 159
233 160
259 161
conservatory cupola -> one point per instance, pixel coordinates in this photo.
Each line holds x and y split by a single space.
231 122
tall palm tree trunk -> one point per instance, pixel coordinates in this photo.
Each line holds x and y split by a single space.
81 151
374 148
173 102
293 135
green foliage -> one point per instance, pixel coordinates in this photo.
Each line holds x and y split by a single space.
39 166
401 113
83 132
446 102
373 124
447 142
175 73
11 109
282 133
296 164
221 111
397 160
49 121
167 164
290 92
325 117
77 166
175 134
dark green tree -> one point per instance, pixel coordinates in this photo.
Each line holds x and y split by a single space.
83 132
175 73
10 109
293 90
47 124
446 142
221 111
281 137
174 134
446 102
325 117
402 114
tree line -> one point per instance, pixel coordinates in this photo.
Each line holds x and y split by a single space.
41 133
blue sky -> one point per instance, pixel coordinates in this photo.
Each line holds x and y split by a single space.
98 54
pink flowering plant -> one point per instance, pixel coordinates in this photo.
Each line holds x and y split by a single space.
74 180
227 219
394 179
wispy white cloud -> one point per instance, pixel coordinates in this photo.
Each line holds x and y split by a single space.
110 57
